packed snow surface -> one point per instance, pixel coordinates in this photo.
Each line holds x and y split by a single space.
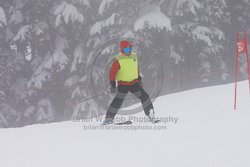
203 130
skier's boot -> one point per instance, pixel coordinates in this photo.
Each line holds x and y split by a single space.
108 121
152 117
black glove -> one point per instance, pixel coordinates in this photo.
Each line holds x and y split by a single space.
112 86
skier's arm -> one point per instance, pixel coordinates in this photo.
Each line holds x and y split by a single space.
113 70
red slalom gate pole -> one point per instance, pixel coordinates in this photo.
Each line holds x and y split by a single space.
236 72
247 58
241 47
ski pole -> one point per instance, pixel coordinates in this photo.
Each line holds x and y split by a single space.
83 100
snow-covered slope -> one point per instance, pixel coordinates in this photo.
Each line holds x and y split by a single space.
208 133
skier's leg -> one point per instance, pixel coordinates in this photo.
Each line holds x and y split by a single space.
140 93
117 102
114 107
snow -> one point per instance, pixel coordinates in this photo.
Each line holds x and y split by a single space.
208 133
16 17
206 35
78 56
40 27
23 33
97 27
128 34
84 2
190 4
59 57
153 19
3 20
104 5
71 81
220 35
177 58
68 12
202 33
45 110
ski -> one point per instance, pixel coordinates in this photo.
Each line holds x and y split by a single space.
156 121
128 123
123 123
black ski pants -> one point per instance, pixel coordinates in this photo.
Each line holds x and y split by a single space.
135 89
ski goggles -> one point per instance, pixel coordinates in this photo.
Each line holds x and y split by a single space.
127 50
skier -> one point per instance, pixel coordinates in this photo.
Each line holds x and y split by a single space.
125 72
